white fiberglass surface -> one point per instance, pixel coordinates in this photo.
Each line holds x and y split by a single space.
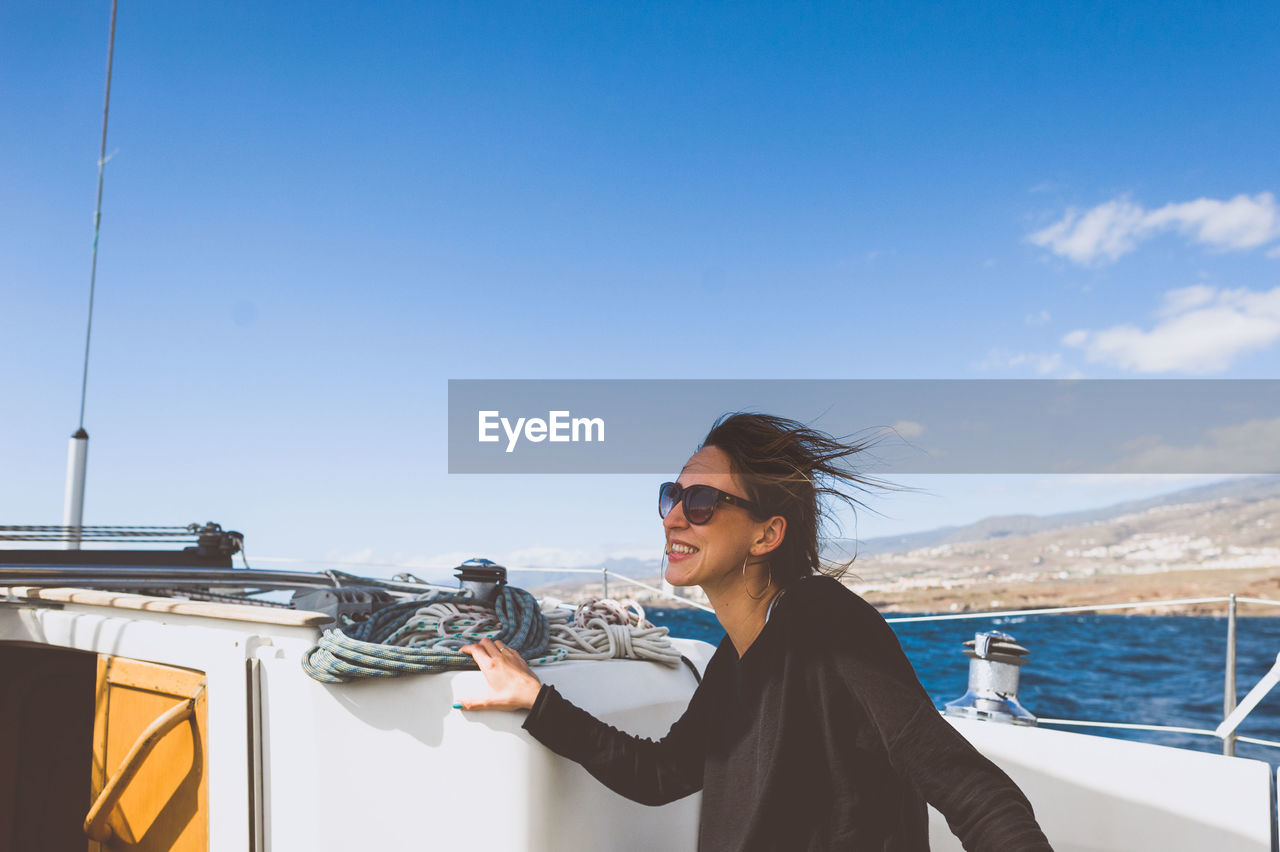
1097 794
398 751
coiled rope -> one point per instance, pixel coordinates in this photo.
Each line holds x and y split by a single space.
604 629
424 635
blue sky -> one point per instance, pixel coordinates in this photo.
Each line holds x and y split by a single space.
316 214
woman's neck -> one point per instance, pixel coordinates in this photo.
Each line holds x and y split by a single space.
741 606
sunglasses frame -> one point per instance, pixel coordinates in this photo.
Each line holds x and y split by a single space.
682 492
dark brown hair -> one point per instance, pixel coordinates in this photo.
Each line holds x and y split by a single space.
793 471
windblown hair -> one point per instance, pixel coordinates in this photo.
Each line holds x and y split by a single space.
791 470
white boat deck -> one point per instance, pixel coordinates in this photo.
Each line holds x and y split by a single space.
294 763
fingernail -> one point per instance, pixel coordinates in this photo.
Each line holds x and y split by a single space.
457 707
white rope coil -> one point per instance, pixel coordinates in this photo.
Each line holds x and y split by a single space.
447 625
605 629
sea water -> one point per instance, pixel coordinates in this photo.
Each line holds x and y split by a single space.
1143 669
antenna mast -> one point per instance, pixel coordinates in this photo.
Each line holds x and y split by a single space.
78 449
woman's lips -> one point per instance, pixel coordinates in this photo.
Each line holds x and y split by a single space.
678 550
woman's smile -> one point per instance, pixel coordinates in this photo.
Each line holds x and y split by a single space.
682 557
677 550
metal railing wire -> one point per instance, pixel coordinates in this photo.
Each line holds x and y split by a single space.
1229 697
131 534
337 578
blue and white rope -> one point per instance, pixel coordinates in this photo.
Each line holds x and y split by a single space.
424 635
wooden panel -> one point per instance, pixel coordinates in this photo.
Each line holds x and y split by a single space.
135 674
148 603
165 807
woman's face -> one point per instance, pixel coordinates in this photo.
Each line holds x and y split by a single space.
702 554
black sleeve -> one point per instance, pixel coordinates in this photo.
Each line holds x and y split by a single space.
982 805
647 771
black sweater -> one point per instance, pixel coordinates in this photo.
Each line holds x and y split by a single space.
819 737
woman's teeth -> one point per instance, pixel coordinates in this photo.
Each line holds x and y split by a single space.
682 548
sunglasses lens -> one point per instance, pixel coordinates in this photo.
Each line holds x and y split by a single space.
668 496
699 503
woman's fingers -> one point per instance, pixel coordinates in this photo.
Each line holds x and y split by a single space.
512 684
484 651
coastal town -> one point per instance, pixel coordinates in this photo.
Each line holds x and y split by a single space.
1172 551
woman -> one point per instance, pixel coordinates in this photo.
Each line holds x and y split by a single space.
810 729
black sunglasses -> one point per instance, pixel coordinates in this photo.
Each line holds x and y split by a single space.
700 501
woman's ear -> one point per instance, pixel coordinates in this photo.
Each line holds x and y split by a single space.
771 535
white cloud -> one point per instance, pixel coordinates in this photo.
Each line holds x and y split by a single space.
908 428
1112 229
1105 232
1201 330
1043 363
1241 223
1037 319
1185 298
1075 338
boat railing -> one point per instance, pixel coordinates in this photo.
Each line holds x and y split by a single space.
1232 714
1229 736
606 575
1226 732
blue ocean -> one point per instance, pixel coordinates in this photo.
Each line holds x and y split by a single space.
1154 670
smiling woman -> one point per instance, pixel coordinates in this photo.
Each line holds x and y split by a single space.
810 729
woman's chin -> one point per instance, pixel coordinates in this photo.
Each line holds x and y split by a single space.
676 577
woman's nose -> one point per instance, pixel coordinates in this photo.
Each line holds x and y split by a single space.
675 519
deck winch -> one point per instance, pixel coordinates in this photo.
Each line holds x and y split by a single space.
995 663
482 577
344 604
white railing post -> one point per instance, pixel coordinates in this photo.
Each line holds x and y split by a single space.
1229 691
1259 691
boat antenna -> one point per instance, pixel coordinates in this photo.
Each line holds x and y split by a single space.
78 450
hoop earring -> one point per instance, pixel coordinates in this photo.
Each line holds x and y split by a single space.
767 583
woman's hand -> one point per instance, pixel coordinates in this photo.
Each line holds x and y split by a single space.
512 684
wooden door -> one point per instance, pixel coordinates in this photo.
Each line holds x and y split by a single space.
165 806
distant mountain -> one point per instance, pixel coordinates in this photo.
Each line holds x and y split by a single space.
638 569
1248 490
